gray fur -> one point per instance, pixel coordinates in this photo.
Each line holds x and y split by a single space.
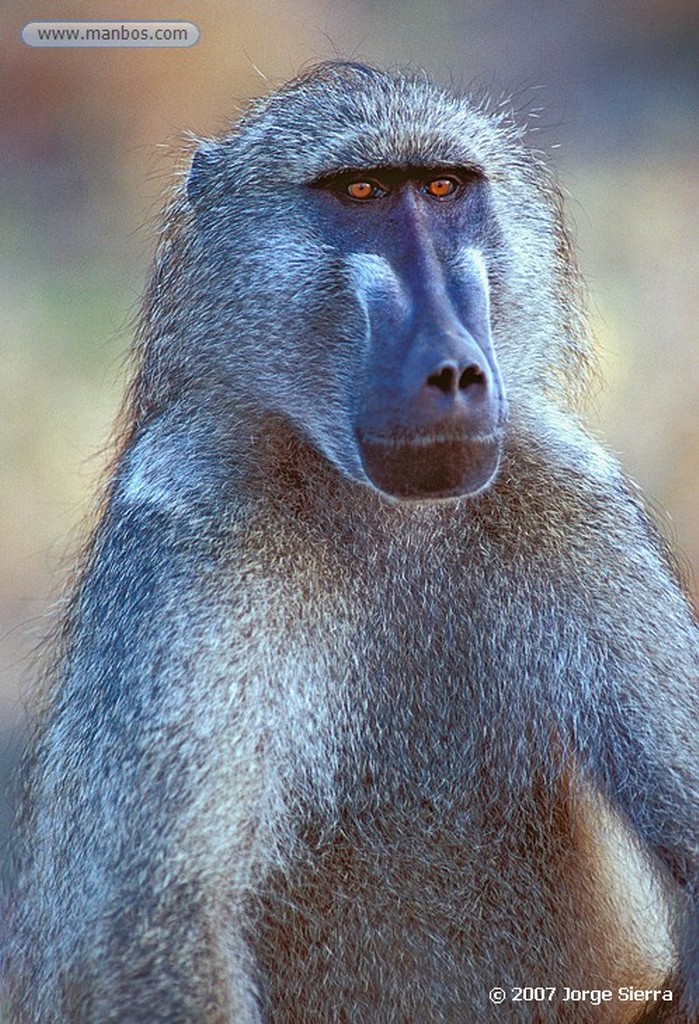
312 755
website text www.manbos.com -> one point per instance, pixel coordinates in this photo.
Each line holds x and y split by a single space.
110 33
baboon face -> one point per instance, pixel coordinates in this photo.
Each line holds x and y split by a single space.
430 407
350 248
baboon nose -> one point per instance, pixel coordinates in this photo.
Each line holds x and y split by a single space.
450 378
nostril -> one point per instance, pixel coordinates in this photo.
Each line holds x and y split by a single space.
470 376
444 380
449 381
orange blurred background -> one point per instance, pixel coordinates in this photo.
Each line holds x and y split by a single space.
89 139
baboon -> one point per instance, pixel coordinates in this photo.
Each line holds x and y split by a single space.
375 702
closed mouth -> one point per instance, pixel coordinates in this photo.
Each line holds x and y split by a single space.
431 464
424 440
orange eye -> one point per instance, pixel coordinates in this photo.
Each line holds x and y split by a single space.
363 190
440 187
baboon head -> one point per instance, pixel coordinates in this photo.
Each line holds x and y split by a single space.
380 264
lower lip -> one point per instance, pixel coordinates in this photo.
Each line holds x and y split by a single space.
430 466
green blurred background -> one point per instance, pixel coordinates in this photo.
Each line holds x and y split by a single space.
89 140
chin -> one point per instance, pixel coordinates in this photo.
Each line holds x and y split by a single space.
424 468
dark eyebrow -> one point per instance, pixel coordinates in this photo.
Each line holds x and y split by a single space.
397 175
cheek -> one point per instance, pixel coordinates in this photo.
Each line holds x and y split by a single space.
373 285
322 411
318 361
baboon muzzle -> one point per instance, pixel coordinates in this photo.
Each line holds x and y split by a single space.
432 422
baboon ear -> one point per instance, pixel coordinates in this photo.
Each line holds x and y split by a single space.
206 163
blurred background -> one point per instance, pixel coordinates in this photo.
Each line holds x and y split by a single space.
89 140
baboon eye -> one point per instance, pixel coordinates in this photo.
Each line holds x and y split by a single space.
440 188
364 190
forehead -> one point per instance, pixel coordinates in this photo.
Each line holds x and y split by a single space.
338 121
